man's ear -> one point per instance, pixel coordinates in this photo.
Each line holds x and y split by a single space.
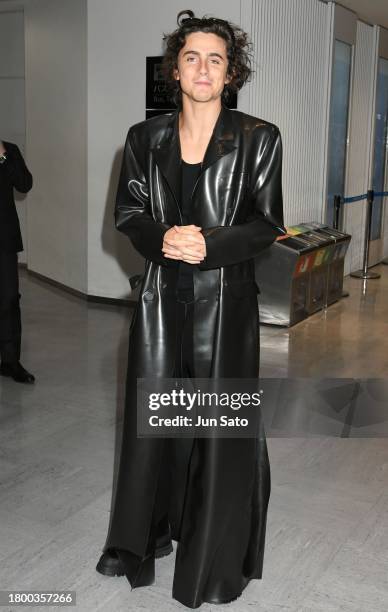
176 74
228 78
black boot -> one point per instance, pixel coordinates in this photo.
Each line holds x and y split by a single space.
163 545
111 565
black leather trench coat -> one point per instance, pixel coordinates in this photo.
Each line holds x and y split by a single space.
221 487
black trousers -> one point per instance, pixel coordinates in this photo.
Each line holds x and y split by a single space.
184 358
177 451
10 321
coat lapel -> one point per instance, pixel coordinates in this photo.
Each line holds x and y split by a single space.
222 140
168 152
168 155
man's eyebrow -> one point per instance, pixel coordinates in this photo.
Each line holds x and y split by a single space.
212 54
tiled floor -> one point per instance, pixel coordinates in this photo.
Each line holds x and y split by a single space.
327 535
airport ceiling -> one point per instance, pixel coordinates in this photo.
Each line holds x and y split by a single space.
372 11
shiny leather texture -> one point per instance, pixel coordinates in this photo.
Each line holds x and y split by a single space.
218 505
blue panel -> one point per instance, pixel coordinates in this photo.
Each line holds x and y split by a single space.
381 125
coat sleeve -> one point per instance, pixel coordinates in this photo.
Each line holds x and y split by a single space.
16 170
133 215
228 245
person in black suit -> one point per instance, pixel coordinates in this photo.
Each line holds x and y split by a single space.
14 174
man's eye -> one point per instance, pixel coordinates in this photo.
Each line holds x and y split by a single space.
191 59
216 61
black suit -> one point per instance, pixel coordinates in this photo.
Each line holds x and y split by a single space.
14 174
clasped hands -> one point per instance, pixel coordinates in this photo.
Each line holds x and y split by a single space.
185 243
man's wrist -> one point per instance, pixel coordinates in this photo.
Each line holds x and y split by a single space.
3 157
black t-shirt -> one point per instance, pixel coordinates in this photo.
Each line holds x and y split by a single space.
190 173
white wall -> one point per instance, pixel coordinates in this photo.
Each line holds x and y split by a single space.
12 123
291 44
56 102
120 36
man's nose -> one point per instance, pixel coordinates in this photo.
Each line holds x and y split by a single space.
203 68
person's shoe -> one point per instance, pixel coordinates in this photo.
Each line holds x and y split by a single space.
110 565
17 372
142 574
163 544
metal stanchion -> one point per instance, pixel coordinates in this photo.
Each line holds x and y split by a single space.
337 208
365 273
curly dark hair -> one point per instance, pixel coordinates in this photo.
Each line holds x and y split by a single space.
238 49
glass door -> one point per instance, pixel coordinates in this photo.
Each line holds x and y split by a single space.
380 146
338 125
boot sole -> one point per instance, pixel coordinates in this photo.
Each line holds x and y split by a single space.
163 551
116 570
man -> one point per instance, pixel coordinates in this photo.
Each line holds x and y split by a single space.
14 174
199 196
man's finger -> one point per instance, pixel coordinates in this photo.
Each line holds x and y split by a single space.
179 241
192 253
182 229
168 245
168 256
172 251
192 260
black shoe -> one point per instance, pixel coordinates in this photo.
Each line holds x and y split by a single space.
163 546
142 572
17 372
110 565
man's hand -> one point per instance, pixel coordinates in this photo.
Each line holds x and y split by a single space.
2 148
185 243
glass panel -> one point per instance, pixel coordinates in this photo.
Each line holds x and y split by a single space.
338 127
380 152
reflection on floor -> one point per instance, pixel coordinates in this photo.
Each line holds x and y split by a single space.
349 339
327 536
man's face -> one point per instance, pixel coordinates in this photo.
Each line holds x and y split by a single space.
202 67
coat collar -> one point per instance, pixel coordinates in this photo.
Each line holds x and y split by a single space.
168 151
